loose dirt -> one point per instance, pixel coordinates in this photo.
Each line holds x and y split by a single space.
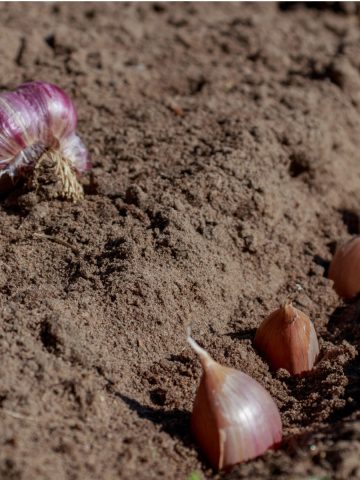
225 147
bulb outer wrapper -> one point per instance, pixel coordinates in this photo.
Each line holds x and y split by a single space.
35 118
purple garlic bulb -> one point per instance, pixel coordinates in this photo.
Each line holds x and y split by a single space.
37 121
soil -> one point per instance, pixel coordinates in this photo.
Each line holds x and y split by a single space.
225 148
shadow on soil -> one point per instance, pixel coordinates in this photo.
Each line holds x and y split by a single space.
174 422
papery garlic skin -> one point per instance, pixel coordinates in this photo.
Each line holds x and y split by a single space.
37 118
234 418
288 340
344 269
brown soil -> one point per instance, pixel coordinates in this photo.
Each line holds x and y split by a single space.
225 146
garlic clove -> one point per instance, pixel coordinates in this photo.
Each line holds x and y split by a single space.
234 418
344 269
287 339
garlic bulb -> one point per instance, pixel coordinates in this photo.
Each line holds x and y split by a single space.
234 418
287 338
345 269
38 120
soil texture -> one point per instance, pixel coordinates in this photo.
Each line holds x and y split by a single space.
225 147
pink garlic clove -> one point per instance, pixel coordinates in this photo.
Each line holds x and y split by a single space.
234 418
345 269
287 339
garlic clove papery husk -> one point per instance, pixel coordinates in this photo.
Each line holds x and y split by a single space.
74 149
287 339
344 269
38 119
234 418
